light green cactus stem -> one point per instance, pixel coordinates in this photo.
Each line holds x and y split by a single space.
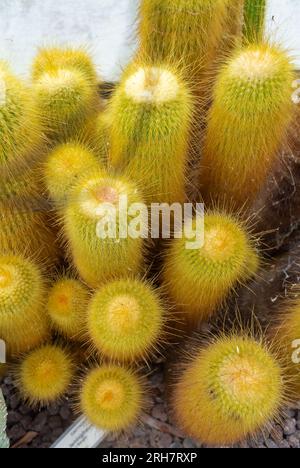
254 20
4 443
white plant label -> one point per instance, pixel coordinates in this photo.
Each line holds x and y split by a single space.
80 435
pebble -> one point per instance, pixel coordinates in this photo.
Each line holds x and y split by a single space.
26 422
284 444
39 422
53 410
289 427
159 412
13 417
294 442
23 409
189 444
54 422
65 413
14 401
271 444
16 432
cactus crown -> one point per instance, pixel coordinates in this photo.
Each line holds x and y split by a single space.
44 375
152 85
50 59
112 397
126 320
256 78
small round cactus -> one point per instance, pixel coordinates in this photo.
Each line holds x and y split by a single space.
200 279
23 322
228 390
93 221
65 99
150 114
45 375
247 123
20 129
112 398
126 320
54 58
65 165
67 307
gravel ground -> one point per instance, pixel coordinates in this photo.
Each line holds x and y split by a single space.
39 429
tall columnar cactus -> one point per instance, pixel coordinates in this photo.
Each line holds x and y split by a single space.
65 89
247 123
233 29
150 115
23 322
20 128
254 20
4 443
112 397
24 229
126 321
65 99
228 390
67 307
95 224
200 279
187 32
44 375
65 165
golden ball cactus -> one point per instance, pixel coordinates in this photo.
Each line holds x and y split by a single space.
199 279
112 397
45 375
228 390
126 321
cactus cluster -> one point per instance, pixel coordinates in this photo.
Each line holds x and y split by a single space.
86 297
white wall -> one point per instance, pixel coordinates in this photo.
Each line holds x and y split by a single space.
106 26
